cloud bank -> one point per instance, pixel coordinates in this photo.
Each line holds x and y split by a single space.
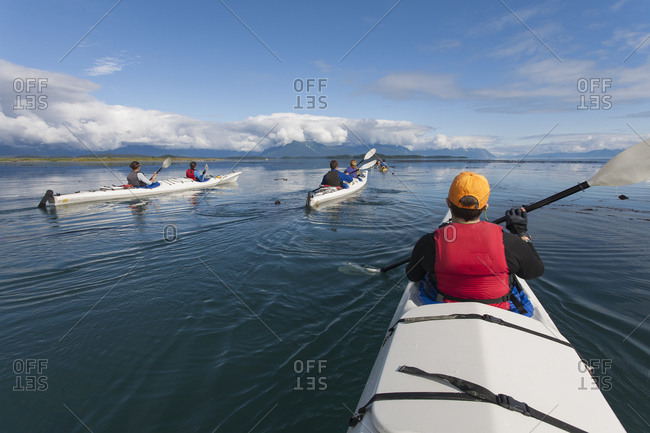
63 112
68 101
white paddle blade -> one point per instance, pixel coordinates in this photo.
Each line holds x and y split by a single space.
367 165
628 167
166 163
370 154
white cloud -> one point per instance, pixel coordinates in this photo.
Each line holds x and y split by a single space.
582 142
626 40
105 66
104 127
534 86
324 67
443 45
110 65
409 85
616 6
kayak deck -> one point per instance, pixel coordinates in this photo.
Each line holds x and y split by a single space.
118 192
545 373
330 193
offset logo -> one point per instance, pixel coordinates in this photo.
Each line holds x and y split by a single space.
309 93
593 94
313 371
170 234
29 93
599 370
30 374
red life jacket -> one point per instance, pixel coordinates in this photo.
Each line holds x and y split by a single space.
190 173
471 262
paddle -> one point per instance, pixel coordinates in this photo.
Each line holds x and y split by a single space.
628 167
205 170
369 155
166 163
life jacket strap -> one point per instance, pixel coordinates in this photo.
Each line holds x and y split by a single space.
442 296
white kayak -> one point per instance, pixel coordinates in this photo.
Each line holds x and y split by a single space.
524 374
328 193
119 192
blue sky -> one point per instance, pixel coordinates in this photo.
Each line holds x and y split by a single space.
494 74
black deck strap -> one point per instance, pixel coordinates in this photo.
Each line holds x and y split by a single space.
486 395
388 396
504 298
486 317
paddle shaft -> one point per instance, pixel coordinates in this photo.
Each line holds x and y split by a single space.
548 200
157 171
394 265
166 163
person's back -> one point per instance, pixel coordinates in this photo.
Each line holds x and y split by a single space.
332 179
473 260
352 170
194 174
335 177
137 179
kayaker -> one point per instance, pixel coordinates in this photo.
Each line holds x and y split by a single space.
470 260
135 178
335 177
194 174
353 170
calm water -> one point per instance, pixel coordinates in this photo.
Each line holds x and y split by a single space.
244 323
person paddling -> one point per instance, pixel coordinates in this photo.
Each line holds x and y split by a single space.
335 177
194 174
136 178
353 170
469 260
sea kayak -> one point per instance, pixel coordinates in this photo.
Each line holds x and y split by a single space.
470 367
329 193
120 192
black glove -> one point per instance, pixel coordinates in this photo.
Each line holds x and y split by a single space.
517 221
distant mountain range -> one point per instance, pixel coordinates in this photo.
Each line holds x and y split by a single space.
295 149
594 154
